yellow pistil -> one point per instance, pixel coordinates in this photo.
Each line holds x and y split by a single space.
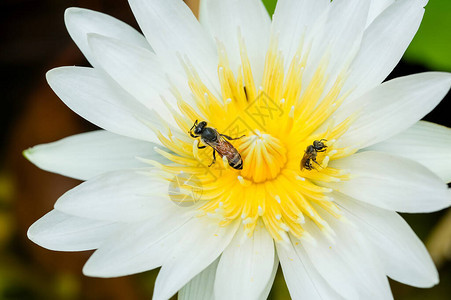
264 157
280 118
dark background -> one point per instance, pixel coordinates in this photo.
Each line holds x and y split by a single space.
33 39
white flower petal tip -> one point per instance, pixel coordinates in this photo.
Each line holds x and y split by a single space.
394 106
56 74
440 80
73 12
119 196
419 143
92 271
62 232
95 97
41 159
80 22
393 183
429 279
29 154
33 232
137 70
35 235
90 154
174 32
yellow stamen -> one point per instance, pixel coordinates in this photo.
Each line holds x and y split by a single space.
280 120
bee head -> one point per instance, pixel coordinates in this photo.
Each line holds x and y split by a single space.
200 127
318 145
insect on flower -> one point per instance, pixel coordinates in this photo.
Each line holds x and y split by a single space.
314 71
310 154
218 142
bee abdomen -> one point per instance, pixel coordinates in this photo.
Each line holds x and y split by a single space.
235 161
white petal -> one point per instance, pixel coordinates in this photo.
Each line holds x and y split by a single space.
200 287
265 293
203 241
137 247
347 263
292 19
136 69
393 107
173 32
383 45
401 252
246 265
376 8
99 101
337 41
391 182
86 155
224 19
122 196
61 232
426 143
80 22
329 38
303 280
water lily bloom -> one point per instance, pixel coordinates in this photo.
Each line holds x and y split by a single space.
330 152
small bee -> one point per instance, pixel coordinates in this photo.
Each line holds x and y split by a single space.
218 142
310 154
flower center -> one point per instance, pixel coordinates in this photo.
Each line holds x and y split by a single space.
283 132
263 155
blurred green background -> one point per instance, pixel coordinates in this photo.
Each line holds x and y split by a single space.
33 40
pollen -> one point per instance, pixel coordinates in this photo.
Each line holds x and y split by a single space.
279 118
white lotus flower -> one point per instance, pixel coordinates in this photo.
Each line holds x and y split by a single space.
312 73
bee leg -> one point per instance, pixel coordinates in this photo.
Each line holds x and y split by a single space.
314 160
230 138
191 129
192 135
200 147
322 150
214 158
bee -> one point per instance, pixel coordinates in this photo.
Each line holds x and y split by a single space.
218 142
310 154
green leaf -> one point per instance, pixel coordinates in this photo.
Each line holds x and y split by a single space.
431 46
270 6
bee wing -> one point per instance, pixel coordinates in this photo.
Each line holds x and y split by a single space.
213 145
225 148
304 159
